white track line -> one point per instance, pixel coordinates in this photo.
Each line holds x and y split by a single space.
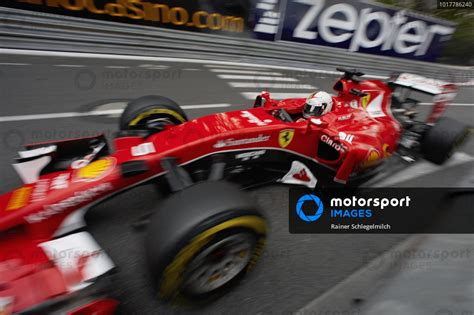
277 96
245 71
69 66
153 66
234 66
205 106
117 67
93 113
423 168
14 64
450 104
255 77
264 85
43 53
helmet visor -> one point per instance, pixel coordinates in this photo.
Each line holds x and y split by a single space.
314 110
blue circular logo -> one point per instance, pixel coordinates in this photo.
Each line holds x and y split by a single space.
319 206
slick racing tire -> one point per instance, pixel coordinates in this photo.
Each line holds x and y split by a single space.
151 113
202 240
442 139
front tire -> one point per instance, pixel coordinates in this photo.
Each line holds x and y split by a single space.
442 139
202 240
151 113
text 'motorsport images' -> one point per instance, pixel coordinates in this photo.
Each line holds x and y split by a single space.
238 157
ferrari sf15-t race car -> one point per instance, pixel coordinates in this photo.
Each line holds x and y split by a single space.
206 233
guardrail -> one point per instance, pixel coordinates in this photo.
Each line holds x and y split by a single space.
21 29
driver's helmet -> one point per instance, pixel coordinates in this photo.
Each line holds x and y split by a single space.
317 104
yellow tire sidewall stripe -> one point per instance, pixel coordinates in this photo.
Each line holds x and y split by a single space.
155 111
172 276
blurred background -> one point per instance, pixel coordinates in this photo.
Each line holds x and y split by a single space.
459 49
68 68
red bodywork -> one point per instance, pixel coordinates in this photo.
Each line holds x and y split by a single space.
362 129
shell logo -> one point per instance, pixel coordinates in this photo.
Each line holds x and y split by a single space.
96 170
19 199
372 158
386 150
365 100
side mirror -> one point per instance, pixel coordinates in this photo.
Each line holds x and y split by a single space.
258 101
263 100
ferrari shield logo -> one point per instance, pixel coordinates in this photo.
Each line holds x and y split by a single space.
365 101
285 137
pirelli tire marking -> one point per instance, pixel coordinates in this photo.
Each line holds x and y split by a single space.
172 276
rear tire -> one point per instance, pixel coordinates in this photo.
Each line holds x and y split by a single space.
151 113
202 240
442 139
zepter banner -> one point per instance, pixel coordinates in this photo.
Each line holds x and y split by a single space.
363 26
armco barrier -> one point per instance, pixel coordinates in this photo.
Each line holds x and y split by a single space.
21 29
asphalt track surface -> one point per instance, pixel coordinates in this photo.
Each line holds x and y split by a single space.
294 268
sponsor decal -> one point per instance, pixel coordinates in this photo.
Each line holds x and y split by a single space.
346 137
60 182
40 190
361 26
299 174
285 137
96 170
143 149
77 199
250 155
364 101
344 117
372 158
235 142
332 143
269 19
19 198
251 118
374 108
184 15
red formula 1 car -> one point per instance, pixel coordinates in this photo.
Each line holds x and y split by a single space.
207 233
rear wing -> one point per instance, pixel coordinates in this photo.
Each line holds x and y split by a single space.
418 83
443 92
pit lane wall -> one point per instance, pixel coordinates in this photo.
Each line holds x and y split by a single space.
328 33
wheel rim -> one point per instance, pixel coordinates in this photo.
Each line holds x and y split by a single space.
158 122
218 264
153 123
